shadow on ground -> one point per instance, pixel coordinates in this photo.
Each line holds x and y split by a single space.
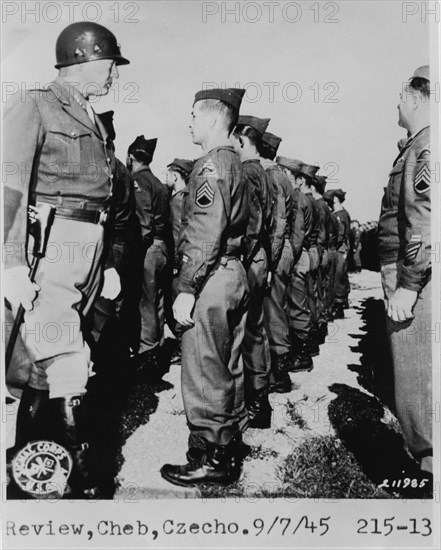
375 371
358 420
116 405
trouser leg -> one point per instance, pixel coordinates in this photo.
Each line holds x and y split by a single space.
255 345
212 375
411 353
299 314
152 298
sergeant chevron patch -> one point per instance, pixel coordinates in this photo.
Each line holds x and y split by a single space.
205 195
422 180
411 252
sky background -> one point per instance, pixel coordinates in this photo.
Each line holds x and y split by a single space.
336 70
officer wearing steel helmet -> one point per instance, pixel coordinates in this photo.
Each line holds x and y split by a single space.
60 152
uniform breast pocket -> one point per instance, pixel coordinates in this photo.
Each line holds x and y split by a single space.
392 191
71 148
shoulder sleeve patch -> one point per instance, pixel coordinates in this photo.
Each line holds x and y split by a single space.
208 169
425 153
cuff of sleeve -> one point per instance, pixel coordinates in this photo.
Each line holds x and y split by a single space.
411 281
185 285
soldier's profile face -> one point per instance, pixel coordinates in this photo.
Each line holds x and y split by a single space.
201 122
235 142
98 76
405 107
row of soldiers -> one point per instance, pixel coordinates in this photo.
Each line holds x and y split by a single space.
243 253
294 250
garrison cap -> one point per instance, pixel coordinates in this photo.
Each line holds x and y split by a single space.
271 140
230 96
142 145
259 124
338 193
107 121
320 183
309 170
292 164
184 164
422 72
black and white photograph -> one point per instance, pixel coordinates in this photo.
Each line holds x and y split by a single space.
220 292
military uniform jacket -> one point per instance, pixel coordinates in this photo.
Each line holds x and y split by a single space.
313 236
325 223
176 208
404 225
55 150
302 218
215 217
344 229
152 205
282 211
260 221
334 231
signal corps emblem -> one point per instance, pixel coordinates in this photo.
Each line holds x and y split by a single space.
42 469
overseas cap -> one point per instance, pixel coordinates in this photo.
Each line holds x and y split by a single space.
338 193
292 164
184 164
320 183
142 145
231 96
422 72
271 140
309 170
259 124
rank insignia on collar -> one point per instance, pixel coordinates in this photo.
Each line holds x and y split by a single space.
422 180
42 469
205 195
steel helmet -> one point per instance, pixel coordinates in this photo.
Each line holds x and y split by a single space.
86 41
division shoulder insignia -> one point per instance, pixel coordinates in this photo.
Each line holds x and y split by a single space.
421 182
42 469
425 153
208 169
205 195
136 186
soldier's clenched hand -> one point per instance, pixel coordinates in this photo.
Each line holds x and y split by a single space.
183 308
400 305
18 287
112 284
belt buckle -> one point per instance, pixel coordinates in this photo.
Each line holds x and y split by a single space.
102 217
223 261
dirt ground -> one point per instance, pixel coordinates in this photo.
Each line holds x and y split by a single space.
333 436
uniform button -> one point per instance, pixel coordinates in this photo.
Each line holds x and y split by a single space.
108 159
73 133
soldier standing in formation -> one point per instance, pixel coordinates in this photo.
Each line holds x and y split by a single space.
257 256
153 211
405 257
212 296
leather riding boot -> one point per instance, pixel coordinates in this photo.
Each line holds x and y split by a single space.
70 431
32 417
259 412
281 382
214 464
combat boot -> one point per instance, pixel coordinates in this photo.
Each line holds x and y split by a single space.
339 312
280 380
259 412
214 464
147 368
70 431
302 360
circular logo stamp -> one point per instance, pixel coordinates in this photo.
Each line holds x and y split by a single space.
42 469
